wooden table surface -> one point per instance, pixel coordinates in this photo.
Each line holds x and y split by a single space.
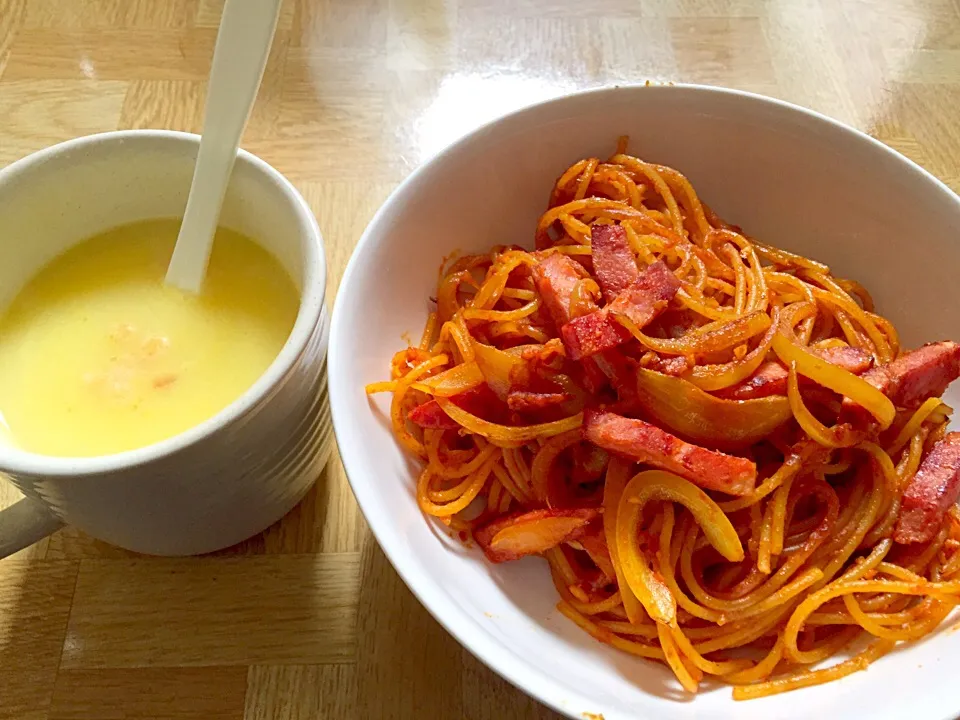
309 620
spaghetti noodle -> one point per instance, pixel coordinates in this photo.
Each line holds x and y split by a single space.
719 448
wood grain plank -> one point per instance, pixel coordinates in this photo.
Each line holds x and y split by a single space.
35 602
214 611
633 50
704 8
421 34
908 146
407 665
165 104
11 19
343 210
323 155
335 24
343 528
487 696
331 123
208 693
805 59
8 496
109 14
429 110
209 12
527 45
728 51
70 543
860 68
38 113
930 24
301 692
924 67
179 104
522 9
111 54
265 116
421 109
326 520
921 111
335 96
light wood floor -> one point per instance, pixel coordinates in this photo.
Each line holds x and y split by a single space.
309 620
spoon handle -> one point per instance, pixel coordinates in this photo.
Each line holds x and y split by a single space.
243 44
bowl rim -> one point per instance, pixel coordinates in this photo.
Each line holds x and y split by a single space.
309 312
520 672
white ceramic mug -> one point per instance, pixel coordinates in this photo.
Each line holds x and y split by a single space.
234 474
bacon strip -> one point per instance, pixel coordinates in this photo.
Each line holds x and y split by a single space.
523 401
671 365
555 277
930 493
647 443
620 371
479 401
912 378
531 533
648 295
919 374
771 377
614 265
594 380
591 334
641 302
431 415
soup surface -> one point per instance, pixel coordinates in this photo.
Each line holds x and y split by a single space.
98 356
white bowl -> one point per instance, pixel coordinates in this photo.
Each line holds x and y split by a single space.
789 176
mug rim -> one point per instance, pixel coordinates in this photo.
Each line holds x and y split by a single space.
309 314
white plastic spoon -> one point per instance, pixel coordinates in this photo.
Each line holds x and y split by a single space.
243 43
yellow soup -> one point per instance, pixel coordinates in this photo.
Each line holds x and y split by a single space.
98 356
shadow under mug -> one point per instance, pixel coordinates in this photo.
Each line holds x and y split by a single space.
238 472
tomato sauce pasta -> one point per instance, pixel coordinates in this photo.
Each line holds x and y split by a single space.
729 462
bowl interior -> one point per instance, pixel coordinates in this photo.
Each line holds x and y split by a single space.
788 177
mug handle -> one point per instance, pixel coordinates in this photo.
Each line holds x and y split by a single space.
24 523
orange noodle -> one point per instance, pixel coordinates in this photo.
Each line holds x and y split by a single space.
717 475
